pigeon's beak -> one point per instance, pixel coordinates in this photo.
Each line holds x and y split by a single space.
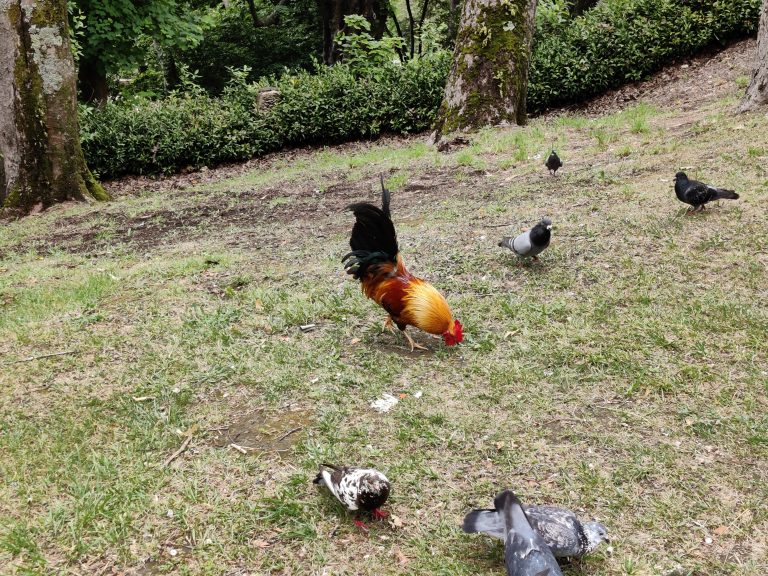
549 227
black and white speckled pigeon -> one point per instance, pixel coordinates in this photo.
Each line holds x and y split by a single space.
532 242
553 163
525 551
564 533
697 193
357 488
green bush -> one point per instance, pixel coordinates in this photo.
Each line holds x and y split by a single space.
334 104
625 40
573 59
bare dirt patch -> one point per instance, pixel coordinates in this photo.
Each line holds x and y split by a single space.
258 432
683 85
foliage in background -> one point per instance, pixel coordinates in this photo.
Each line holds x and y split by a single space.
362 52
233 42
107 31
573 59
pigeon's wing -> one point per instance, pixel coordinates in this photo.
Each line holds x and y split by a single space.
521 245
486 521
560 529
698 193
525 552
528 556
349 487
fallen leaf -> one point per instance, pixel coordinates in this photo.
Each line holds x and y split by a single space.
720 530
354 341
395 521
402 395
261 544
401 558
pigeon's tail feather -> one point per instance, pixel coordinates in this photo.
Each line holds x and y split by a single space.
486 521
544 572
324 467
721 194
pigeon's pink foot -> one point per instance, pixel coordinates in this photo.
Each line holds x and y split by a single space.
380 514
360 525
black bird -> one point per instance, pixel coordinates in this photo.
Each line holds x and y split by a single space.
553 162
563 532
697 193
525 551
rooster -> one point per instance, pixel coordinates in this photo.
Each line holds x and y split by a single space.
375 260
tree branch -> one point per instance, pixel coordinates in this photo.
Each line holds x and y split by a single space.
399 33
421 21
269 19
413 23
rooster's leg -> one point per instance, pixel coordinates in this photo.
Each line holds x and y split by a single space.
388 325
413 343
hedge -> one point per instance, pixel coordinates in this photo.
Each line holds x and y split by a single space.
615 42
620 41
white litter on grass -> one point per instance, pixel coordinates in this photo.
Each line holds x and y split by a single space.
418 394
385 403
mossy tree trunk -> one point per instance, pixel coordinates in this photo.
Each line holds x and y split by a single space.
42 162
488 82
757 91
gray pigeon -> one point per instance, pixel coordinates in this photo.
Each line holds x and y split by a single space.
564 533
530 243
553 163
697 193
525 552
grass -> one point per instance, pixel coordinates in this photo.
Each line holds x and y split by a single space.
625 376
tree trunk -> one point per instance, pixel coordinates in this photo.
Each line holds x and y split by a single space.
42 162
92 78
757 92
489 77
332 14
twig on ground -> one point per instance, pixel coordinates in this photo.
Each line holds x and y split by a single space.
32 358
178 452
241 449
284 436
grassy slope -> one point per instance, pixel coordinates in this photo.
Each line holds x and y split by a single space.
625 376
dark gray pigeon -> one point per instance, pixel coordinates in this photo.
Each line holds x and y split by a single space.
564 533
553 163
697 193
525 552
530 243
